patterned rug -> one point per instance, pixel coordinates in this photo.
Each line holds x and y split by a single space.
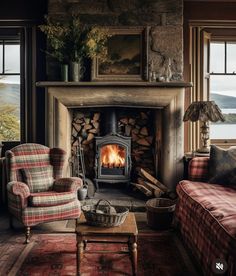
55 255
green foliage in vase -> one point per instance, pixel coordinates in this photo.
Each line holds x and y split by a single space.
72 40
9 123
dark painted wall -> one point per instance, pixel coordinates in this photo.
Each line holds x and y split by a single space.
22 9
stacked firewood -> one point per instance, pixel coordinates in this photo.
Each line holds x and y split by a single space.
135 124
85 126
139 127
151 186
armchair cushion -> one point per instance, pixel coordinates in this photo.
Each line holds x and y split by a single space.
67 184
38 179
51 198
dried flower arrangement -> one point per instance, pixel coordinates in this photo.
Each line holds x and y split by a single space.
71 40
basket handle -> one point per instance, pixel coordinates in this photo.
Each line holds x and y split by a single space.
98 203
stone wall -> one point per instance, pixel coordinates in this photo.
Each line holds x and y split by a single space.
164 18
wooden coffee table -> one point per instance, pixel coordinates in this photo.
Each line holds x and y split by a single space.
125 233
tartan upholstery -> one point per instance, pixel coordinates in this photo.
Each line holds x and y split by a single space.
51 198
198 169
34 163
38 179
34 215
67 184
206 216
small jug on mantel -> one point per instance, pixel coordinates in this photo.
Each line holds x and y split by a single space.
76 71
64 72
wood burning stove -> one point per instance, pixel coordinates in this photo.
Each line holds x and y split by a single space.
113 153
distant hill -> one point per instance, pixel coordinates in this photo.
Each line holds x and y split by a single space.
224 101
10 95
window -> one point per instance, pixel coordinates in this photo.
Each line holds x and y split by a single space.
9 89
223 88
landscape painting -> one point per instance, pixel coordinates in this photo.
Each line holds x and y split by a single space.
126 56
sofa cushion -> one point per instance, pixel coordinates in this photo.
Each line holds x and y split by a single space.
38 179
213 205
222 166
45 199
206 216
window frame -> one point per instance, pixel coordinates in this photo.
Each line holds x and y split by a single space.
214 38
27 31
193 71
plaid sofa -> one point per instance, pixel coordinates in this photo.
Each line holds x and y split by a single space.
36 191
206 216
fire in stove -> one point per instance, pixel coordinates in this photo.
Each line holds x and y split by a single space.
113 156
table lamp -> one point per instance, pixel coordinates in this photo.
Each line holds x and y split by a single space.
204 111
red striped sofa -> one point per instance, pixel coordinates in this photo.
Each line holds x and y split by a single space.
35 190
206 217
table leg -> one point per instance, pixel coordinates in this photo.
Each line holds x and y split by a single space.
80 252
134 254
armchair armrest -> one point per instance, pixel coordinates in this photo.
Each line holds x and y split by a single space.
198 169
67 184
18 189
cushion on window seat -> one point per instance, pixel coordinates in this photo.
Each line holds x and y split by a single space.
222 165
51 198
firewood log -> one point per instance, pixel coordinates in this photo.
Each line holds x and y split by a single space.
148 185
143 115
90 137
142 189
144 131
153 180
77 127
143 142
95 124
124 121
128 130
87 127
96 116
132 121
93 130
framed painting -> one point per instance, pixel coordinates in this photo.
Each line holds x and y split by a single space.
127 56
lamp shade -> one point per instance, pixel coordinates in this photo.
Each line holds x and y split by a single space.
203 111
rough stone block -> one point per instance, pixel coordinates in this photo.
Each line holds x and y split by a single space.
132 18
108 20
90 7
167 42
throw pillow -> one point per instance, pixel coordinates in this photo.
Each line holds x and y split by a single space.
222 166
39 179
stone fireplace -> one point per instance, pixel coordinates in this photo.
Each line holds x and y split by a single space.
166 99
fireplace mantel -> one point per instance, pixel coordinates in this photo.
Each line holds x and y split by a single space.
111 84
61 97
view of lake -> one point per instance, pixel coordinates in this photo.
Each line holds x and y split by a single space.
222 130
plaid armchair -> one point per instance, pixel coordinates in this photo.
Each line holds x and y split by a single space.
36 192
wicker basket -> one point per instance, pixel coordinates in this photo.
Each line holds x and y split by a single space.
104 215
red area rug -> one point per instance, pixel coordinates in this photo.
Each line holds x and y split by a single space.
53 254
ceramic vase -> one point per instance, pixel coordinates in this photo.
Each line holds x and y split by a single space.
64 72
76 71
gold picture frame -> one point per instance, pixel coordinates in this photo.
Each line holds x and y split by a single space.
127 56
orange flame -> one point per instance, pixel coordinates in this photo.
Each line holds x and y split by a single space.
112 156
